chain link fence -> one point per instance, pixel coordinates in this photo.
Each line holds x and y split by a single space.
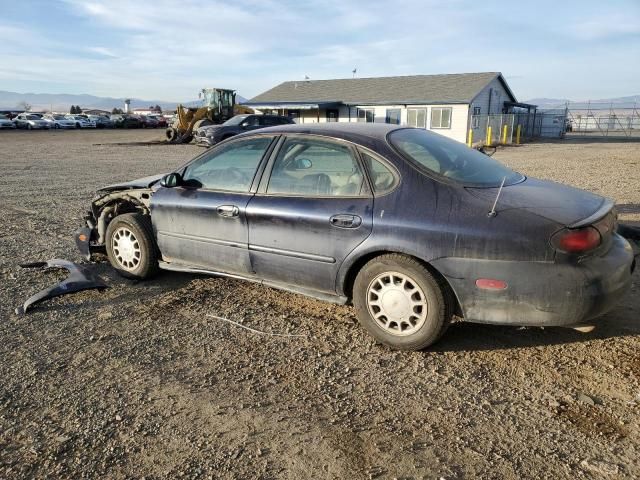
514 128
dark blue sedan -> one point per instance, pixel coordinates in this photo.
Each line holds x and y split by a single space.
412 227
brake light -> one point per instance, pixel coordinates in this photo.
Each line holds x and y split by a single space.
579 240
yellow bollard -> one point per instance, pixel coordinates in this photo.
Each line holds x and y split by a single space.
518 134
488 139
470 138
504 135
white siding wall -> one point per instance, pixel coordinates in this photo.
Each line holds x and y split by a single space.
498 96
459 117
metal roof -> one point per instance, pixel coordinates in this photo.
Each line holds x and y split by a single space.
414 89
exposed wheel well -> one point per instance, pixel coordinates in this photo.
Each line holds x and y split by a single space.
362 261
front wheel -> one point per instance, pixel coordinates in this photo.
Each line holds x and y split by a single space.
131 247
401 303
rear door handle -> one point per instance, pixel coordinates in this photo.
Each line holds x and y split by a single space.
228 211
345 221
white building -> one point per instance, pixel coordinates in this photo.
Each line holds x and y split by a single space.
448 104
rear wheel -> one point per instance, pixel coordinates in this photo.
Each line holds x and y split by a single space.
131 247
400 303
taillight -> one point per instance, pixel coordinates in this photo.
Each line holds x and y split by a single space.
579 240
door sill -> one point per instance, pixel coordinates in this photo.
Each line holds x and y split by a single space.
319 295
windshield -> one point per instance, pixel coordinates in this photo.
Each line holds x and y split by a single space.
33 117
451 159
237 120
59 117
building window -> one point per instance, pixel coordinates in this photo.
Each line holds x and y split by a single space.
475 119
393 116
332 115
366 115
417 117
441 118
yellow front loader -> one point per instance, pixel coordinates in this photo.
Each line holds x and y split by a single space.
219 106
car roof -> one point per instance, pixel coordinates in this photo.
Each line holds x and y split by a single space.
346 131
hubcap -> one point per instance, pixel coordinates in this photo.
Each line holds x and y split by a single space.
126 248
397 303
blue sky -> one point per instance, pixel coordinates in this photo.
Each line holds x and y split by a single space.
168 50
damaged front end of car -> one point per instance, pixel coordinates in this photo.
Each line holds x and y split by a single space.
108 203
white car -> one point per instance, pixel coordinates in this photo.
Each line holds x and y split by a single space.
5 122
57 120
81 122
31 121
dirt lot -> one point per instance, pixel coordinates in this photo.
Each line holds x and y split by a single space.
138 382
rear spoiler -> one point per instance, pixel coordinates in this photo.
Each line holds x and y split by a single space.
605 208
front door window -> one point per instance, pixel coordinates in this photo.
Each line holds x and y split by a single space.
228 168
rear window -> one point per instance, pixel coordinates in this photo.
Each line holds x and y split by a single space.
451 159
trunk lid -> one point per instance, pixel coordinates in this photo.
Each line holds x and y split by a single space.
567 206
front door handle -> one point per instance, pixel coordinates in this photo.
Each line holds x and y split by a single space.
228 211
345 221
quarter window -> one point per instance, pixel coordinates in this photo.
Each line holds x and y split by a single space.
230 167
417 117
315 168
441 118
366 115
382 178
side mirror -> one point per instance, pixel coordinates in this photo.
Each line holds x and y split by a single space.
171 180
244 124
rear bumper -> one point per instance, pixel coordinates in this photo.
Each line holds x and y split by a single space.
541 293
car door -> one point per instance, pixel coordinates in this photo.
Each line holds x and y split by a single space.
202 221
312 209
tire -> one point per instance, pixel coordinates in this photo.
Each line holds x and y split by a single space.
418 306
29 127
131 247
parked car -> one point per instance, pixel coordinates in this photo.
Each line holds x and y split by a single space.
59 121
125 121
31 121
149 121
81 121
101 121
211 134
162 122
412 227
5 122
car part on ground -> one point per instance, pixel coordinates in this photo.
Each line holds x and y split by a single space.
80 278
318 209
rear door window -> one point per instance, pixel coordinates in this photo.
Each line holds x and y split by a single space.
313 167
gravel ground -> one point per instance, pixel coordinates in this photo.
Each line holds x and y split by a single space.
139 382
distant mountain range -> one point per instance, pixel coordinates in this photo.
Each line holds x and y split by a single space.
62 102
618 102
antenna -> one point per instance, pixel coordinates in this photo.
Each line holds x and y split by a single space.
493 212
